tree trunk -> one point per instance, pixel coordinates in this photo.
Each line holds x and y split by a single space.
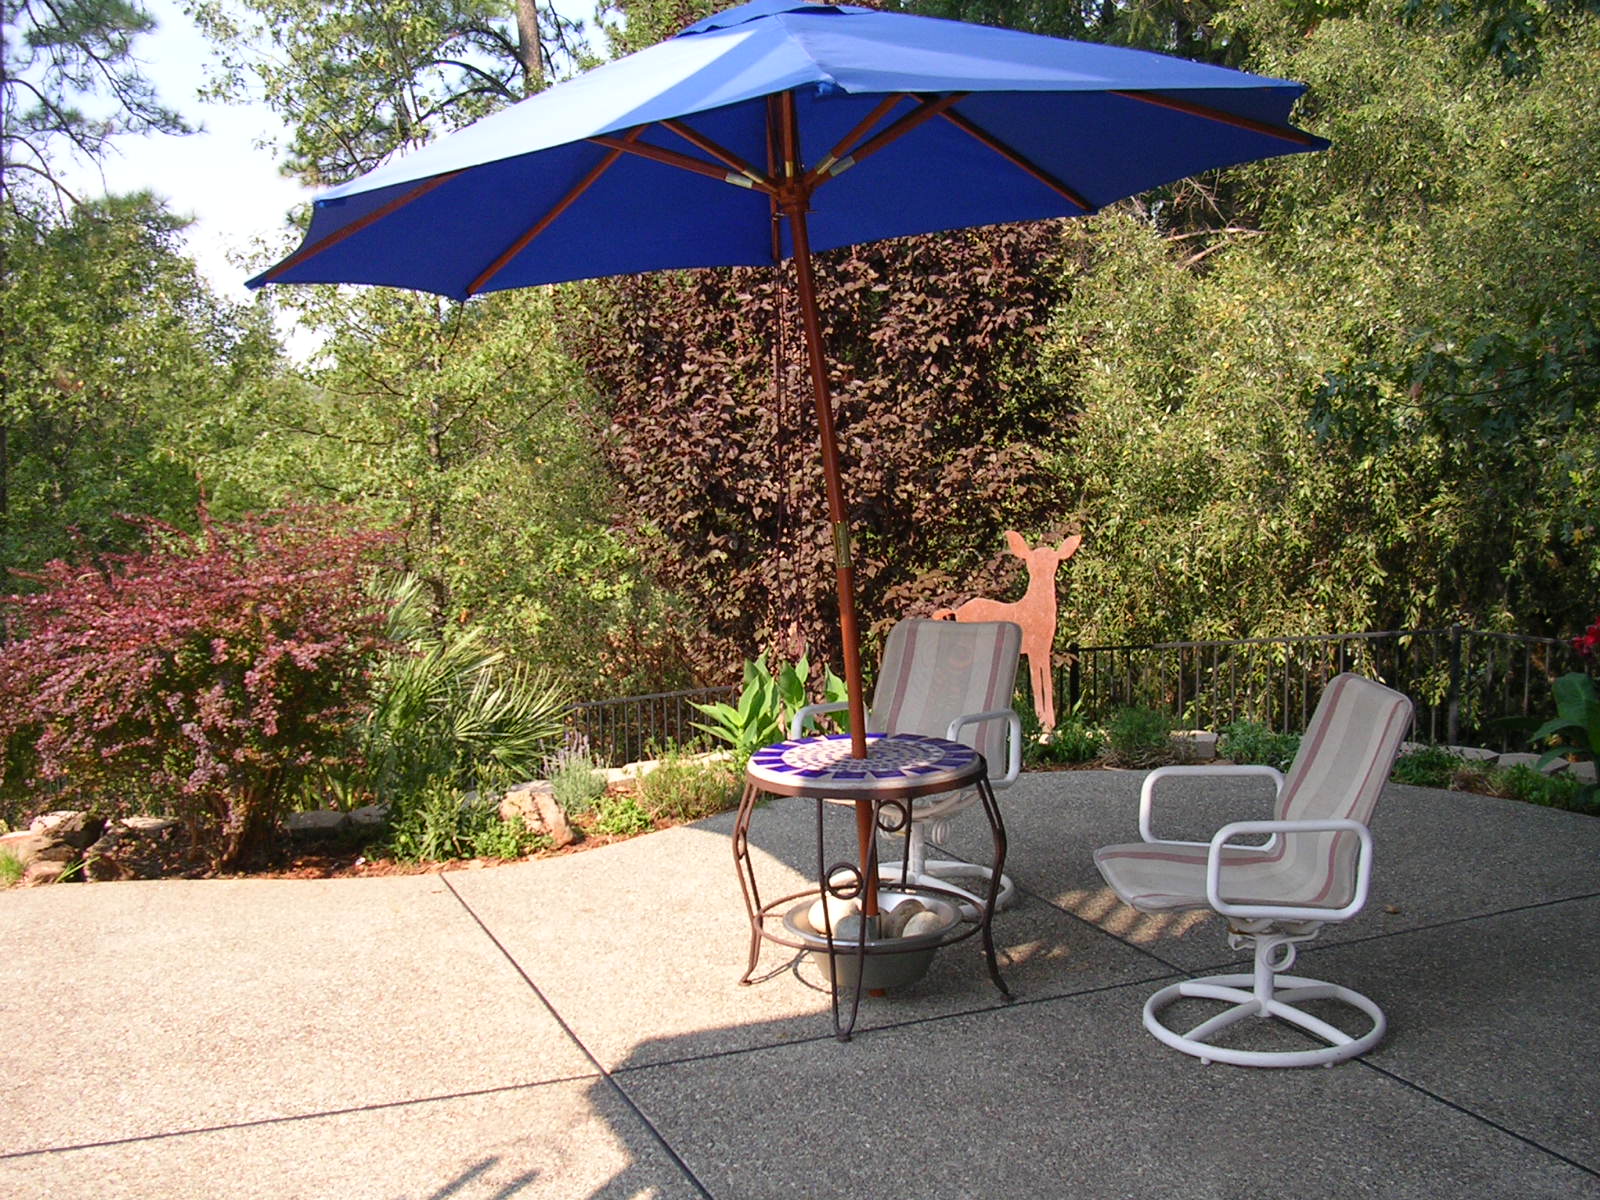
436 460
528 47
250 834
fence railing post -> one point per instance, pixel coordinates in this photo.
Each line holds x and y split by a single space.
1074 677
1452 700
618 727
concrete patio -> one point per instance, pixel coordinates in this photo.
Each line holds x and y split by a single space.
573 1028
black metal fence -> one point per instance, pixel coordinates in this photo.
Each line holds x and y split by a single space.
631 728
1469 686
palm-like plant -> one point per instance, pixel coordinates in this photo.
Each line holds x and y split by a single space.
447 705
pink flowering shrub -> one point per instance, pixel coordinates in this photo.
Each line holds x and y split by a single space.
205 677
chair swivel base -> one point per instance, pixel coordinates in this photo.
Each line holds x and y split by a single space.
944 873
1278 1001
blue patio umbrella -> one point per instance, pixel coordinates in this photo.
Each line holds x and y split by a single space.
776 129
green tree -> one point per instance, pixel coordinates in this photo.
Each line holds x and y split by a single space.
56 56
115 355
465 429
356 82
1369 400
460 423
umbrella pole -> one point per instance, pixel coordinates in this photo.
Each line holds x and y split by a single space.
839 519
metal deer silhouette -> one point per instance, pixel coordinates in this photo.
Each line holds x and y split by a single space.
1035 612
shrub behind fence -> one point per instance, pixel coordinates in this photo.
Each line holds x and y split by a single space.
1469 686
631 728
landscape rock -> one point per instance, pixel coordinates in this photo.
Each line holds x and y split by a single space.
893 923
53 846
53 851
634 771
318 825
1195 745
536 804
848 929
149 826
133 848
924 922
836 911
369 816
21 845
79 830
40 873
1530 760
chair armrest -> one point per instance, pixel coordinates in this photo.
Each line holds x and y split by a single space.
1147 792
811 711
1288 912
1013 740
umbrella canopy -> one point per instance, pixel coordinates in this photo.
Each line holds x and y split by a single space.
671 157
778 128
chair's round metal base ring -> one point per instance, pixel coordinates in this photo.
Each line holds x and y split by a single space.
1288 991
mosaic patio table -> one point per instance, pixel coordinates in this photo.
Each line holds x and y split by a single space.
898 769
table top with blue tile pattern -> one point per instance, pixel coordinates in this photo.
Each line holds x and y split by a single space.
897 765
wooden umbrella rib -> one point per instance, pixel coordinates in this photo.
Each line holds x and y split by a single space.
683 162
356 226
925 111
544 222
727 157
773 172
789 137
1282 132
841 151
1017 160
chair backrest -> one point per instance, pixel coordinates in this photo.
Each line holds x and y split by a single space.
1344 760
935 671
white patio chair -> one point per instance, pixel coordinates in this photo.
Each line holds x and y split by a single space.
949 679
1314 869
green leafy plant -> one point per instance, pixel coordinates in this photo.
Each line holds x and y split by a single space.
1548 791
1139 737
1577 720
577 780
448 705
442 823
686 789
766 706
1071 741
507 839
621 815
11 869
1252 742
1431 766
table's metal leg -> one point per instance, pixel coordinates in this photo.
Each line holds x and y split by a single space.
747 876
849 879
855 888
991 809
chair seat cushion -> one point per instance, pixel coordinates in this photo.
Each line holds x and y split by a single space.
1167 876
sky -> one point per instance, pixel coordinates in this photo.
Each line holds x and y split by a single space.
219 176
